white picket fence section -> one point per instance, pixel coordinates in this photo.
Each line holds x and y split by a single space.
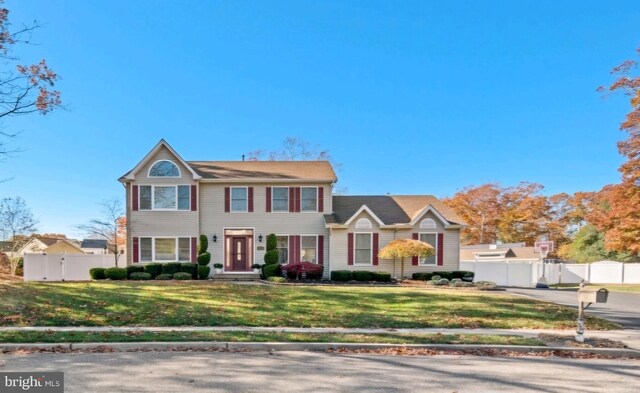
527 273
65 267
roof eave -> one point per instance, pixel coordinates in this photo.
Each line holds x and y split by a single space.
265 180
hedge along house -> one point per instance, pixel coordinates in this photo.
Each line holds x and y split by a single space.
236 204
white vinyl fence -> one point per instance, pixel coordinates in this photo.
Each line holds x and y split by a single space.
65 267
527 273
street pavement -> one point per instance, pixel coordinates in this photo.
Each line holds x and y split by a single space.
325 372
622 308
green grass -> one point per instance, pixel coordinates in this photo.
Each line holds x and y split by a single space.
208 304
139 336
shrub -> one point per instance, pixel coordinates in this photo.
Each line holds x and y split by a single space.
218 265
296 270
382 276
460 284
435 278
140 276
447 275
97 273
442 281
155 269
271 257
204 244
315 275
134 269
190 268
422 276
256 266
272 242
276 279
182 276
115 273
203 272
341 275
164 277
171 268
362 275
456 280
272 270
461 274
486 285
204 258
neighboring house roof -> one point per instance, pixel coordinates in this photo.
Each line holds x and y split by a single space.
63 246
502 251
93 243
273 170
390 209
6 246
48 241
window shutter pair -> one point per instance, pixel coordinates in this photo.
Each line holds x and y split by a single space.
294 199
440 251
351 249
135 198
227 199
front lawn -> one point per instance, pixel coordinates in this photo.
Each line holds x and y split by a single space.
208 304
139 336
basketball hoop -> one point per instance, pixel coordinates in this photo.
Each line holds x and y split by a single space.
543 248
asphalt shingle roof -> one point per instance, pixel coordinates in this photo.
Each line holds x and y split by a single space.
93 243
283 170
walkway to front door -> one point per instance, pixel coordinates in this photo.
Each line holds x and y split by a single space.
238 250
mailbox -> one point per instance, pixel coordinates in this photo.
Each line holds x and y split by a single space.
593 295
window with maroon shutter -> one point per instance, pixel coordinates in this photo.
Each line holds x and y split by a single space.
440 249
194 250
320 250
250 200
227 199
268 201
136 250
292 199
375 248
194 198
297 209
350 248
321 199
414 260
134 198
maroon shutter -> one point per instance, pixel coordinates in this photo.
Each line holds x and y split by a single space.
227 199
136 250
134 198
194 198
268 200
292 249
298 196
320 199
414 260
320 250
440 249
350 248
292 199
375 248
194 250
250 201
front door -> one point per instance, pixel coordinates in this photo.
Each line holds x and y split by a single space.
239 253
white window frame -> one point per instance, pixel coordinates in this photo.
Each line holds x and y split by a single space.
317 200
355 242
153 197
165 177
153 248
428 223
288 247
423 261
246 203
288 201
363 223
316 236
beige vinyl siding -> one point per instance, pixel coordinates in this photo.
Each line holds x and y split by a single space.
186 177
339 247
213 219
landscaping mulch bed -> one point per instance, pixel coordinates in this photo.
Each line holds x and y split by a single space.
404 351
557 340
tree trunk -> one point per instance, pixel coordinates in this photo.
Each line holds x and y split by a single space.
401 268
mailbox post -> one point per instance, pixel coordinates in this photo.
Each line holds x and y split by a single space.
586 297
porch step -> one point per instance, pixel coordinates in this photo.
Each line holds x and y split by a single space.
236 277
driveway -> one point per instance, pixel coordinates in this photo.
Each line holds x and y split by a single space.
622 308
323 372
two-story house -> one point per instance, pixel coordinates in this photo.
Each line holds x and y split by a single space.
170 202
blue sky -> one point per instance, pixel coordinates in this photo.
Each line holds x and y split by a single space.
411 97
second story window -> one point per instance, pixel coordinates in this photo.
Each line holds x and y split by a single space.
164 168
280 199
165 198
309 199
239 199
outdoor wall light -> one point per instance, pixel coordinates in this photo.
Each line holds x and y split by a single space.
260 238
214 238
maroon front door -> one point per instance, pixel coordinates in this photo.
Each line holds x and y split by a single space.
239 254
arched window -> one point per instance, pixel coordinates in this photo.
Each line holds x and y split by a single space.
164 169
363 223
428 223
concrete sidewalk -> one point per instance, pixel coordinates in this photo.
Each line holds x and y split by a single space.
629 337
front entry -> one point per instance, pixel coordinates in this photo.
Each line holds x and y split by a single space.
238 250
239 253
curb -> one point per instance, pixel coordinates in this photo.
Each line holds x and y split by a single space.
314 347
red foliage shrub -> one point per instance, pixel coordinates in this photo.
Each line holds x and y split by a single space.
298 269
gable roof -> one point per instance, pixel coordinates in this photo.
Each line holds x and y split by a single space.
510 251
268 170
162 143
390 209
93 243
